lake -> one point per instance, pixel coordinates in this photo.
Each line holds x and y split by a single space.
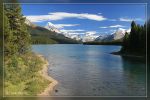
90 70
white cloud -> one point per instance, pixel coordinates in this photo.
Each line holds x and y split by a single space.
116 26
113 26
103 27
37 18
63 15
65 25
113 31
130 19
76 33
112 19
125 19
72 31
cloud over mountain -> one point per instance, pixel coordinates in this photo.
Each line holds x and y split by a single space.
72 31
130 19
113 26
65 25
64 15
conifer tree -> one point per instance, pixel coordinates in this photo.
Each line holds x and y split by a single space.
125 42
17 26
133 35
9 44
135 41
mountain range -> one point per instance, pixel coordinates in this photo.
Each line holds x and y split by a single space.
51 34
118 35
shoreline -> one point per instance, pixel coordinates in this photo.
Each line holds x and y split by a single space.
45 75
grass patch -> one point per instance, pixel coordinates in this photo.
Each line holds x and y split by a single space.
22 75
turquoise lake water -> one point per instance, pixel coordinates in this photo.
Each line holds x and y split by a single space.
90 70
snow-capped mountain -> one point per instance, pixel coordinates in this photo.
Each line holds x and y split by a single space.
102 37
90 36
84 38
119 34
50 26
76 37
72 36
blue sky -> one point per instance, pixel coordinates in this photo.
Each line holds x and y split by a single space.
81 18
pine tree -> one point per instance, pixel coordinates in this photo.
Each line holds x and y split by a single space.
125 42
21 38
136 40
133 36
9 44
143 37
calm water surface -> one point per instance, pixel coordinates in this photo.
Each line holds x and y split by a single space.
90 70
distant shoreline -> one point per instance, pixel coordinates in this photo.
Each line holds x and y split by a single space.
44 73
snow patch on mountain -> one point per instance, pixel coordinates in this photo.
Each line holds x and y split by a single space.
50 26
119 34
89 36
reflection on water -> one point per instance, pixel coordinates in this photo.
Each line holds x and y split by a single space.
135 73
89 70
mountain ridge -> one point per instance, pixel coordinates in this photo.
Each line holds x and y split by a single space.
41 35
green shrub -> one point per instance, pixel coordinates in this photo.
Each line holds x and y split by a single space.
22 76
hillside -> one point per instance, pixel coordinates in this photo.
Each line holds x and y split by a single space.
42 35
